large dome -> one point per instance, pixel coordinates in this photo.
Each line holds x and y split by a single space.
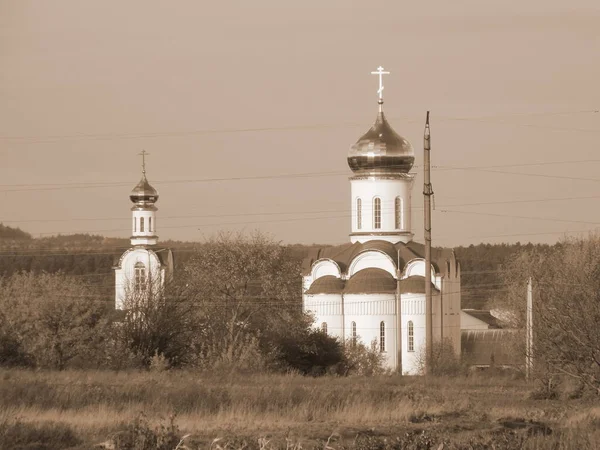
381 149
143 192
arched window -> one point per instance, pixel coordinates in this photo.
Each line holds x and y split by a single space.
399 214
377 213
141 224
411 337
382 337
358 213
150 224
324 327
140 277
134 224
353 330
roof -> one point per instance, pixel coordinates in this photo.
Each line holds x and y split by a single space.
400 252
484 316
415 285
328 284
482 347
381 149
371 281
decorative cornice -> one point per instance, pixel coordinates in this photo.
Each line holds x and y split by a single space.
383 176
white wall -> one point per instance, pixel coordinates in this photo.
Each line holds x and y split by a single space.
413 309
148 236
387 189
326 308
125 274
368 311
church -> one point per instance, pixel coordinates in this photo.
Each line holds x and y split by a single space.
372 289
144 266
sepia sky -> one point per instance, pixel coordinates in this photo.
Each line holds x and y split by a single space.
264 98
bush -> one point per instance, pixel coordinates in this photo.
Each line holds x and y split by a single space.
444 361
140 435
361 360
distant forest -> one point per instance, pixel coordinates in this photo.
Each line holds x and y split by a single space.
93 257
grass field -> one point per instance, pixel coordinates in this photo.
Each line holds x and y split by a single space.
80 409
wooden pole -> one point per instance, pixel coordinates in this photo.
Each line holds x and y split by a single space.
398 317
529 331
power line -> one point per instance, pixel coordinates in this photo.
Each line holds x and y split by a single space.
117 136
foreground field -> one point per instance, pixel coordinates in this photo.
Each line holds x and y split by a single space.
81 409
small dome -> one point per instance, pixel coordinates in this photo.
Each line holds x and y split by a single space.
328 284
143 192
415 284
371 281
381 149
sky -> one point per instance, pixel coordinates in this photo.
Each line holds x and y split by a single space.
248 108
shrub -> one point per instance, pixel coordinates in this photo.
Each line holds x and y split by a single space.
443 360
361 360
140 435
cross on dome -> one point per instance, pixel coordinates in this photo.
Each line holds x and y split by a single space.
381 72
143 153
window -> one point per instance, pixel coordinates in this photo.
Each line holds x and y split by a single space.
141 224
140 277
358 213
324 327
149 223
411 337
382 337
377 213
134 224
399 214
353 331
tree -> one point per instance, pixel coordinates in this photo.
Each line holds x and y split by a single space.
247 290
158 321
52 318
566 311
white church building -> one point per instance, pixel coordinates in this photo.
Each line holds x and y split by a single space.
373 288
145 265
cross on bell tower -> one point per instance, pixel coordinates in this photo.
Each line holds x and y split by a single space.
381 72
143 154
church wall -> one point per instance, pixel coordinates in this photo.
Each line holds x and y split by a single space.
413 310
326 308
125 274
368 311
146 215
387 190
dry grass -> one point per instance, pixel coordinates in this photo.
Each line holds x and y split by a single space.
460 411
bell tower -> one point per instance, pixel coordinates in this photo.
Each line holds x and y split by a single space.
143 196
381 185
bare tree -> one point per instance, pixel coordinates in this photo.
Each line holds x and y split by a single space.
566 308
158 320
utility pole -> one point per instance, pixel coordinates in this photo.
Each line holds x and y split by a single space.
398 316
427 193
529 331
